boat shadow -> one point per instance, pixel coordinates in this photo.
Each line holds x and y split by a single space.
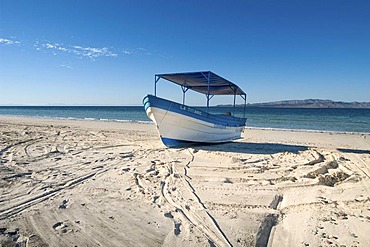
355 151
252 148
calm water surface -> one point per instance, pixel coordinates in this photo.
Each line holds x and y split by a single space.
342 120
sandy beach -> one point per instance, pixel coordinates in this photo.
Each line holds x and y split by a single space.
95 183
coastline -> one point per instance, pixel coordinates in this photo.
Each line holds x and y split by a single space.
64 181
332 120
150 122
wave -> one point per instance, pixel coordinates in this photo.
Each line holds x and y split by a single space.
83 119
352 125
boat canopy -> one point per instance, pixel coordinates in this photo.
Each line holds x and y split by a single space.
205 82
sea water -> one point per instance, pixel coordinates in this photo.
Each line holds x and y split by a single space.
311 119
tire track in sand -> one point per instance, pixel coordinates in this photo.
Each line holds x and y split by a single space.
205 223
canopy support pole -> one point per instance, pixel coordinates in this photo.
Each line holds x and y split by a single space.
245 103
234 104
184 90
156 79
208 80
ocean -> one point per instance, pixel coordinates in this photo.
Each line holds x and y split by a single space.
322 119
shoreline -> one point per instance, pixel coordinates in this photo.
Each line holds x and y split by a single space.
150 122
64 181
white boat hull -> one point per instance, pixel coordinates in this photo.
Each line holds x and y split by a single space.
175 128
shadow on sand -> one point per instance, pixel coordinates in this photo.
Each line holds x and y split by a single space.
355 151
252 148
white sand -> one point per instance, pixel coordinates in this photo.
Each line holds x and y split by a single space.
86 183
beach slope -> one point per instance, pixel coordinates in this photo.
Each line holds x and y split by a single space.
94 183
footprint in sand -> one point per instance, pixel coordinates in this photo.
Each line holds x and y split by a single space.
168 215
155 198
177 229
126 169
60 226
64 204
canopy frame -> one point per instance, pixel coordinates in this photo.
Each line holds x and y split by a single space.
204 82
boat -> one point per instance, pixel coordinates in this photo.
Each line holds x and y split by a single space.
181 125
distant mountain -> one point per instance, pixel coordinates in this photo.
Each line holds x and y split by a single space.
313 103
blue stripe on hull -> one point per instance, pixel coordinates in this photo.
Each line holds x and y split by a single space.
220 120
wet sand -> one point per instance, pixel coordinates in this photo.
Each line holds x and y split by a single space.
86 183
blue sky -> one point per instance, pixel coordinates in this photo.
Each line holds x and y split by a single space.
107 52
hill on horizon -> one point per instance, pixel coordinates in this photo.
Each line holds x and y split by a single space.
311 103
